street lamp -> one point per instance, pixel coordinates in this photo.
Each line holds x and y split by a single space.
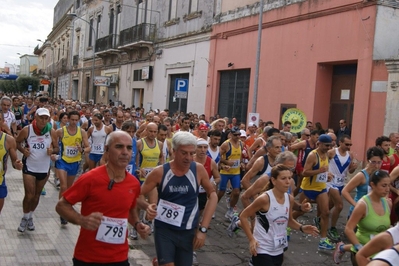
27 57
52 68
73 15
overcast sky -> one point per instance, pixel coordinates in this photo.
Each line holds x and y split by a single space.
22 22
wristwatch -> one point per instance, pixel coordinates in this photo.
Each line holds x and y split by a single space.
203 229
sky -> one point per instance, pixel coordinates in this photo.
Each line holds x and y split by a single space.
22 23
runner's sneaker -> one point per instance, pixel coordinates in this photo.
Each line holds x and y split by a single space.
228 191
31 226
195 261
332 233
233 227
326 244
22 226
316 221
63 221
214 215
338 254
43 191
57 182
250 263
133 234
229 214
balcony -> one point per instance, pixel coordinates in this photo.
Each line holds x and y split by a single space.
137 35
107 45
75 60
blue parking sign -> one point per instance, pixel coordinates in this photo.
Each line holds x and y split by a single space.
181 88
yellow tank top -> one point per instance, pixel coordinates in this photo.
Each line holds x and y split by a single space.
149 156
316 182
235 155
70 152
3 156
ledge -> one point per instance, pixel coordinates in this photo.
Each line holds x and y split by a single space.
172 22
89 48
193 15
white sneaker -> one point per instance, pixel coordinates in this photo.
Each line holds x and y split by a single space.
22 226
195 261
133 234
229 214
31 226
213 215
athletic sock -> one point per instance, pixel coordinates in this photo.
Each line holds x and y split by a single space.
26 215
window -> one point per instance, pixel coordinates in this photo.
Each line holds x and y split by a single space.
98 26
192 6
172 9
77 4
63 50
90 33
137 75
111 22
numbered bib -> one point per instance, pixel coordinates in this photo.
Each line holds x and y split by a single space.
170 213
280 241
112 230
147 171
236 164
129 168
71 151
322 177
98 148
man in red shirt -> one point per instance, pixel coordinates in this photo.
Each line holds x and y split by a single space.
108 195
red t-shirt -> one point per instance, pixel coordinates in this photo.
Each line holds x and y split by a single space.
91 189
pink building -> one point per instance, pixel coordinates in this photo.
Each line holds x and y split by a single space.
324 57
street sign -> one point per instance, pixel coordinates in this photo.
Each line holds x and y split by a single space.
45 82
29 87
8 77
181 88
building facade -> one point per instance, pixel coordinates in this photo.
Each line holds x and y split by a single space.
325 57
28 64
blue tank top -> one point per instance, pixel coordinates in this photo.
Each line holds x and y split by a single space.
306 152
132 167
182 190
361 190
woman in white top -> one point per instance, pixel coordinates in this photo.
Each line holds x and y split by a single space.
269 237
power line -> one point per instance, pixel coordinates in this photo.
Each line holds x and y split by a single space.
15 45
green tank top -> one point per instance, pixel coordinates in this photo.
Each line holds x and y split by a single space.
372 224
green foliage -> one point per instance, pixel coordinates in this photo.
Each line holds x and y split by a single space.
20 85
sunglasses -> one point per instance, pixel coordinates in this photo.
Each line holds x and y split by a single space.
238 134
348 145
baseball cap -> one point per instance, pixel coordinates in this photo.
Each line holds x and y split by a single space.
203 127
43 111
235 130
243 133
324 138
251 124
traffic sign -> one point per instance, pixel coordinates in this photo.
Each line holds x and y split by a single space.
8 77
45 82
181 88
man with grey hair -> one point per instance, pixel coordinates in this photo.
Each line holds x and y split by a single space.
263 164
177 182
9 116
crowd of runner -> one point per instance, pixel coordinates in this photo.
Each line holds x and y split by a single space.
161 173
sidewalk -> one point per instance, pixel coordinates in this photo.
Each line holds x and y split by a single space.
49 244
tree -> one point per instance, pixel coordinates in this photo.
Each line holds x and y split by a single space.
8 86
23 83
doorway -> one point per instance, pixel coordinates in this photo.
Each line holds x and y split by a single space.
175 102
342 95
233 94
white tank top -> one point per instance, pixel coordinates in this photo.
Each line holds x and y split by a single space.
271 227
339 166
165 151
394 231
215 155
98 140
38 160
390 256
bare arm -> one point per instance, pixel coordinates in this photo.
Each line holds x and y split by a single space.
12 150
257 154
356 181
152 180
253 191
298 146
254 147
308 168
161 158
246 180
90 222
378 243
215 172
86 142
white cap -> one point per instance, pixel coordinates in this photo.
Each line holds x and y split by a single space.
251 124
243 133
43 111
